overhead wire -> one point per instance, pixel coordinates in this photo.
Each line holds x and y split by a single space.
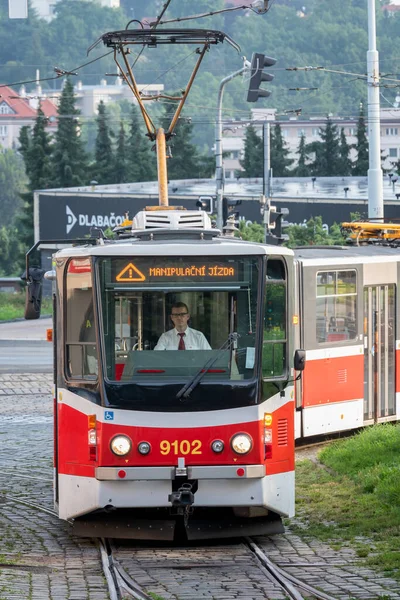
62 73
157 21
361 77
213 13
381 60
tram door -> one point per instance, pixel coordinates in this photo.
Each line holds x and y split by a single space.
379 352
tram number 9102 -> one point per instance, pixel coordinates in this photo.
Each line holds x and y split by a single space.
182 447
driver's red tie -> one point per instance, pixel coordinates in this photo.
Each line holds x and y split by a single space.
181 342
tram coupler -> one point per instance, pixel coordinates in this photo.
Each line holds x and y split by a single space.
183 497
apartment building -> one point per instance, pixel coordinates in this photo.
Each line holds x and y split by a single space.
18 110
294 127
88 97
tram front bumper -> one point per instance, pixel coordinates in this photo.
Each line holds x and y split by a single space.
216 486
169 473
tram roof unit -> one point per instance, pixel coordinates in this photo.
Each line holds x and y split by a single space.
158 231
336 255
220 246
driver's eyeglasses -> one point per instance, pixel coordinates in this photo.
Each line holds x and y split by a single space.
179 314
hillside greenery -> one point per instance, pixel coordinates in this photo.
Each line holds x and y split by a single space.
113 147
292 31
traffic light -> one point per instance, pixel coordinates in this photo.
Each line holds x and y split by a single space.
228 208
258 62
206 203
274 224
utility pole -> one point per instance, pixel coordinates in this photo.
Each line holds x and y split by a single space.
375 176
266 200
219 172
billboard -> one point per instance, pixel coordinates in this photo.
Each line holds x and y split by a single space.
71 215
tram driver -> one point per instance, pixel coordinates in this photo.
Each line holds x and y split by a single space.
182 337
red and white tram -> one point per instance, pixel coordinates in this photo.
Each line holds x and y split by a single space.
150 442
349 322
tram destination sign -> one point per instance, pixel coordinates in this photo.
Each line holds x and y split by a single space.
176 270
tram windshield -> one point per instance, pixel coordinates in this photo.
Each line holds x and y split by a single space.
154 306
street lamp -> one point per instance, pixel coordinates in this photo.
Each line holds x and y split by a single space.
219 171
375 175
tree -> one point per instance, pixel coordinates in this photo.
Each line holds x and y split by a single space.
141 162
327 162
36 150
102 170
12 253
302 170
39 155
317 163
186 162
252 162
77 24
383 159
279 153
253 232
25 140
313 233
120 158
331 151
12 183
396 167
70 162
362 161
344 150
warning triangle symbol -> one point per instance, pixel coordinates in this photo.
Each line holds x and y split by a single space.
130 273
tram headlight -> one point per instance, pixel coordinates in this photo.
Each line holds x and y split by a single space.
121 445
144 448
217 446
241 443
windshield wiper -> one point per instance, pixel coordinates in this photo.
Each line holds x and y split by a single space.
185 392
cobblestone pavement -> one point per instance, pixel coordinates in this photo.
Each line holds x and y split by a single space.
41 560
229 572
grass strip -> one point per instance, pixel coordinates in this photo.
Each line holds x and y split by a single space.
358 501
12 306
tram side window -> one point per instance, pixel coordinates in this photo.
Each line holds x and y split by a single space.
81 349
275 331
336 306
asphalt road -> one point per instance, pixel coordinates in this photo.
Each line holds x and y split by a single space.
23 347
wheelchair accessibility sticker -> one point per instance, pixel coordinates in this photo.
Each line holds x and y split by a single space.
109 415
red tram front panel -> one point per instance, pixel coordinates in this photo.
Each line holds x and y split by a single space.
262 477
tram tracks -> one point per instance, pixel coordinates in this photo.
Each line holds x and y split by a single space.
287 582
119 581
122 585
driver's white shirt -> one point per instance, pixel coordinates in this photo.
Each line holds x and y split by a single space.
194 340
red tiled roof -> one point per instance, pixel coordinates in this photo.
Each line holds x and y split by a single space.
391 7
21 107
49 109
